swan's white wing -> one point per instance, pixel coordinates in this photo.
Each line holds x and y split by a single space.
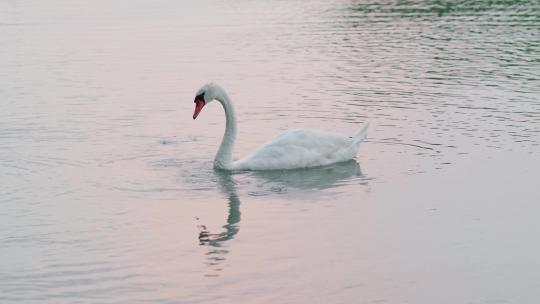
299 148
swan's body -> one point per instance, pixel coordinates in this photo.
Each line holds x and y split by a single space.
296 148
300 148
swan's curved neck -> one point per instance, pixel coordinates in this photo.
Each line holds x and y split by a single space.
224 158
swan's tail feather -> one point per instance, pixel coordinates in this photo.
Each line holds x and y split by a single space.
361 135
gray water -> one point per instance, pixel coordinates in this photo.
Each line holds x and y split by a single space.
107 189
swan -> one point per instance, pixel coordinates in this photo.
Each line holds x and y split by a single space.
292 149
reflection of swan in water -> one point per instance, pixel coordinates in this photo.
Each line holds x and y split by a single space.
231 229
216 240
303 179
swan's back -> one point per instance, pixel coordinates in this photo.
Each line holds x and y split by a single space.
299 148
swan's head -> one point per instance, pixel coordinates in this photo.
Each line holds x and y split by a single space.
208 93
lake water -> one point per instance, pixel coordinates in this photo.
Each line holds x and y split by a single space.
108 193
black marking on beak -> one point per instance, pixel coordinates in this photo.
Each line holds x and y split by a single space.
199 97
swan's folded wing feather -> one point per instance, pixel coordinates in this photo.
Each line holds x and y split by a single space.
299 148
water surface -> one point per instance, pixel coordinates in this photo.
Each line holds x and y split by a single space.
108 193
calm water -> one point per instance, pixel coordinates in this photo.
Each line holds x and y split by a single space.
107 189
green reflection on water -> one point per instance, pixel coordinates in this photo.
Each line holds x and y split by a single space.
405 8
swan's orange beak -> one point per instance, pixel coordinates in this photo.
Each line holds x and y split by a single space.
199 104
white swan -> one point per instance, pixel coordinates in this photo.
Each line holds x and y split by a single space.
296 148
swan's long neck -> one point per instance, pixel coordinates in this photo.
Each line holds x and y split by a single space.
224 159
